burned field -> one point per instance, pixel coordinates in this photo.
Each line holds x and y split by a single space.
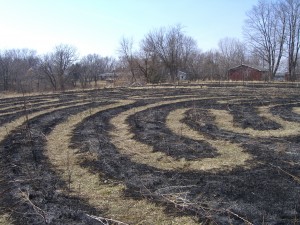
184 155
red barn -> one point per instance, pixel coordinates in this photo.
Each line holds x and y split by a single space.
247 73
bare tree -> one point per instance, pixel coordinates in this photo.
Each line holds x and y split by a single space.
265 30
47 67
210 64
94 65
232 53
76 73
291 9
195 66
14 65
5 63
172 47
63 57
56 65
149 64
128 57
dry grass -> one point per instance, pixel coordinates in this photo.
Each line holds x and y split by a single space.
231 155
296 110
29 106
224 120
19 103
139 152
162 97
87 184
5 220
6 128
5 95
167 87
237 101
16 95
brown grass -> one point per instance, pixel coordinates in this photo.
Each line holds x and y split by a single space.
225 121
87 184
162 97
167 87
296 110
5 220
231 155
19 103
14 94
6 95
6 128
29 106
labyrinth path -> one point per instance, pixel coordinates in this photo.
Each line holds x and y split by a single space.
139 152
40 105
225 121
87 184
27 103
162 97
5 129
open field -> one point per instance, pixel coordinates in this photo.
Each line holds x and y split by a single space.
190 154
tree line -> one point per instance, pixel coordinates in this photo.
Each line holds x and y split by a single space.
271 32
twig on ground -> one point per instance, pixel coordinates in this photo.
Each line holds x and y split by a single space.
180 200
37 209
297 179
238 216
106 221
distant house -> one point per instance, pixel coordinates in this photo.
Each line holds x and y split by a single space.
281 76
247 73
182 75
107 76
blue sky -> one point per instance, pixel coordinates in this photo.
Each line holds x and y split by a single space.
97 26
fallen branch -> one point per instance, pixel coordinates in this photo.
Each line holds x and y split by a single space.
37 209
238 216
105 221
6 190
284 171
180 200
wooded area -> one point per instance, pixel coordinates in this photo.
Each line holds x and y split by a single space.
272 32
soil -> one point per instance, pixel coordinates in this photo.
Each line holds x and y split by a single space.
267 192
